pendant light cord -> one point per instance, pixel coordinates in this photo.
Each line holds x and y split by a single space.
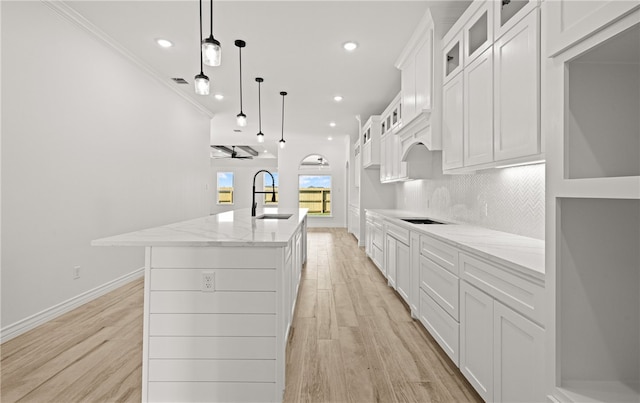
259 110
200 39
211 18
240 53
282 132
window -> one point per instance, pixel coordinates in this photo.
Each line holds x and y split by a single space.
314 193
266 181
225 187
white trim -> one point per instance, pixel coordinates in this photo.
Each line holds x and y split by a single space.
24 325
74 17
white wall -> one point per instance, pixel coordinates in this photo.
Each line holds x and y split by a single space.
336 152
243 172
91 146
509 199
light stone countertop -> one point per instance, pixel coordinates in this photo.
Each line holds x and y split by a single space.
520 253
231 228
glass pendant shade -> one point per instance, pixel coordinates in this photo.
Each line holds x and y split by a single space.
202 84
211 51
281 143
260 137
241 119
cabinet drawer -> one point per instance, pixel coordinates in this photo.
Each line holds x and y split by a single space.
441 285
442 327
212 370
211 392
441 253
213 258
239 348
212 302
224 280
169 324
401 234
518 293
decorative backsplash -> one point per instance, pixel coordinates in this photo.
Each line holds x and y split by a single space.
510 199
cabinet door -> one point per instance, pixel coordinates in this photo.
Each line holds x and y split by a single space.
476 339
356 169
478 32
452 116
570 21
516 90
508 13
518 365
414 251
408 87
403 271
390 260
424 73
452 54
478 110
368 238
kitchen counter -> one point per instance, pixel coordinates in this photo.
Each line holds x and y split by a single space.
219 297
231 228
520 253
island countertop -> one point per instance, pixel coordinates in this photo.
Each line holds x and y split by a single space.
231 228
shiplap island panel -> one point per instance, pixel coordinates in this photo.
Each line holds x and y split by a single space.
218 302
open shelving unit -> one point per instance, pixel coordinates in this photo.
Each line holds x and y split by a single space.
593 217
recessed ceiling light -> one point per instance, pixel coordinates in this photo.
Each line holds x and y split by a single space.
350 46
219 97
164 43
329 138
332 124
266 151
337 98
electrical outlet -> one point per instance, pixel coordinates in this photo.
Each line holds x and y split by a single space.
208 281
76 272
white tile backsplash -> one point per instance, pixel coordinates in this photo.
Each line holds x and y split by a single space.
509 199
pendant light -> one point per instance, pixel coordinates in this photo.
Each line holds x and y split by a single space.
201 81
241 118
282 137
211 48
260 134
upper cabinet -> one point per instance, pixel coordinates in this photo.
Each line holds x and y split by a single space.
357 163
370 140
569 21
491 74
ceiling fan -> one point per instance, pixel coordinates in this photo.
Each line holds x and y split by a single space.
232 153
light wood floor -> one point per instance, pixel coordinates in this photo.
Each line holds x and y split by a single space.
353 340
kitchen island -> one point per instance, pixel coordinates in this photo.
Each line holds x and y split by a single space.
219 297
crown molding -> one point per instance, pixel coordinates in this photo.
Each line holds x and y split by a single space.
77 19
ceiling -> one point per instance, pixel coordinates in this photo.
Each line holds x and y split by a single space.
296 46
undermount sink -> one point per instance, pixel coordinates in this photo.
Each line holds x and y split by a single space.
421 221
274 217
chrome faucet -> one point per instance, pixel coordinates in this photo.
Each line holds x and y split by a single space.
273 191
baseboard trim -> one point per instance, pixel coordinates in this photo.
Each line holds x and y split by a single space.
22 326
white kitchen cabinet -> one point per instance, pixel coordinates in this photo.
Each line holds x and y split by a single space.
569 21
371 142
509 13
478 31
476 339
518 363
491 111
444 329
452 123
390 262
354 221
517 90
501 341
357 163
375 240
398 259
478 110
453 52
392 168
403 271
414 296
